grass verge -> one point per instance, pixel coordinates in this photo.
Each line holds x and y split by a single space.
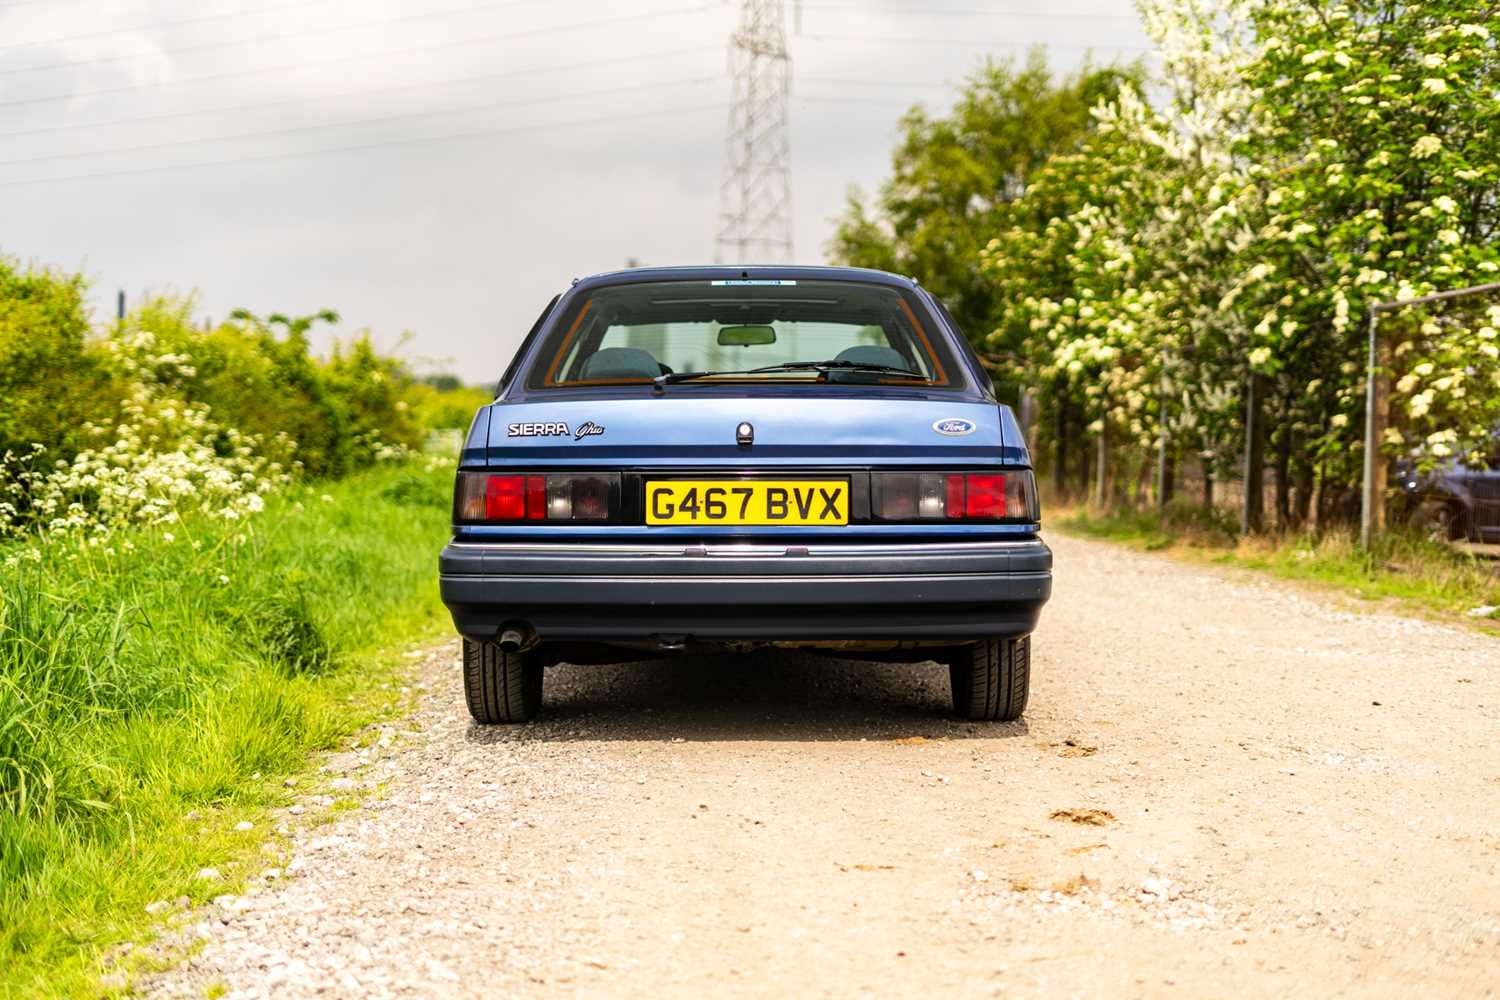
155 689
1410 573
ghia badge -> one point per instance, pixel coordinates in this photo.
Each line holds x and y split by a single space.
954 426
586 429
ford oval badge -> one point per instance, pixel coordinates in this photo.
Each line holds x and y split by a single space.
954 426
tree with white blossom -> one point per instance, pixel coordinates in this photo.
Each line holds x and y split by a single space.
1219 245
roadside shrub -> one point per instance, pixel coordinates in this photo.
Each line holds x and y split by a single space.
156 416
154 459
441 402
418 491
51 375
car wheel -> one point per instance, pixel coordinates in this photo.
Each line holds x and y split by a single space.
991 679
501 686
1439 521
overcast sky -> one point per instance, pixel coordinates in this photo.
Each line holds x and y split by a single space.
445 166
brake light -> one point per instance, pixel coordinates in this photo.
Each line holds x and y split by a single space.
986 496
954 496
565 497
505 498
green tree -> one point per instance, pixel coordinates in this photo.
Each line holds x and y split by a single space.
51 378
953 175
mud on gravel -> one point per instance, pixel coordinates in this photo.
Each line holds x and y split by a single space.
1223 786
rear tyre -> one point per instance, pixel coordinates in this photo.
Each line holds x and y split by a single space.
1440 521
499 686
991 679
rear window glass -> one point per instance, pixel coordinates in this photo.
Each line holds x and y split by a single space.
627 334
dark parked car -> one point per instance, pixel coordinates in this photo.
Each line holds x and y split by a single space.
1457 502
724 459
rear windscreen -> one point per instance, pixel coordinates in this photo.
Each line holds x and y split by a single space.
633 333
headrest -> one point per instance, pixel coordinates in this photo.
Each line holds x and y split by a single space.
872 354
621 362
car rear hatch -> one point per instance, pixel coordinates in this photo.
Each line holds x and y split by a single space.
816 461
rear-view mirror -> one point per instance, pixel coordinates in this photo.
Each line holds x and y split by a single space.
746 336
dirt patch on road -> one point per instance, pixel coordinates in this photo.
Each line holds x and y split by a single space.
1084 817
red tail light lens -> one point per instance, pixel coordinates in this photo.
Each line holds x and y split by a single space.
986 496
953 496
567 497
505 498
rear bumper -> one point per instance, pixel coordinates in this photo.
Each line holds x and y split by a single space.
878 592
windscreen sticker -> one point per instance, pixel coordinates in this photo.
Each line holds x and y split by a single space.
753 281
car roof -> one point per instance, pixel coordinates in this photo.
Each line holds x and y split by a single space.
762 272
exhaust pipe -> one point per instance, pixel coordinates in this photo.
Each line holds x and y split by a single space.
514 638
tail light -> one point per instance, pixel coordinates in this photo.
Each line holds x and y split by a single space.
954 496
594 496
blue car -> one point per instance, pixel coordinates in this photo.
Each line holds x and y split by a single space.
724 459
1455 502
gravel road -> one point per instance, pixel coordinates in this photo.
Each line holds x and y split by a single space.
1223 786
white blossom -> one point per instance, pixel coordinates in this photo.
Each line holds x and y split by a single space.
1428 145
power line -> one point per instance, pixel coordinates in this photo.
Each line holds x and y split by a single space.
854 83
364 92
822 99
909 40
338 60
221 16
373 120
306 33
969 12
419 140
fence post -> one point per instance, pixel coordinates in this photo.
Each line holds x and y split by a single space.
1163 465
1163 481
1252 513
1060 448
1372 502
1102 463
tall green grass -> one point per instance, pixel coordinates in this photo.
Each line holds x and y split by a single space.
1412 572
150 678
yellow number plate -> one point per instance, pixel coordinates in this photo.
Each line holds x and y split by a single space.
764 501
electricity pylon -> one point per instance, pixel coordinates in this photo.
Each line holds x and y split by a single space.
755 199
